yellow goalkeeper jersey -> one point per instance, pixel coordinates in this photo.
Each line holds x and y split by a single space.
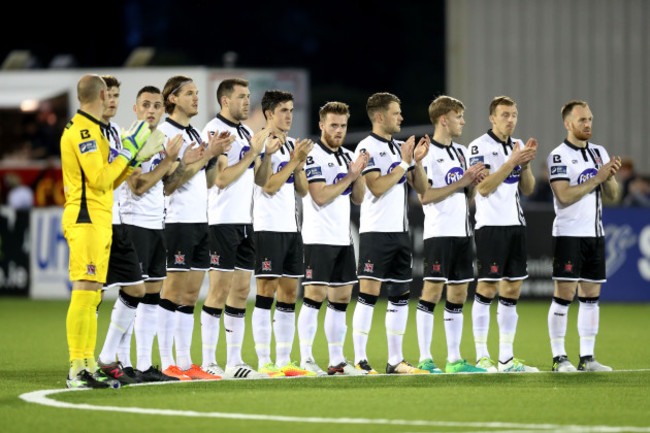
88 177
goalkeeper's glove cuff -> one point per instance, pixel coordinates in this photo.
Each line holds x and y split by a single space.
126 154
135 163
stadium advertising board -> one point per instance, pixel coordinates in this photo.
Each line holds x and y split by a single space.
14 252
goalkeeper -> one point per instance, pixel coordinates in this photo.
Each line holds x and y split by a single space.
89 179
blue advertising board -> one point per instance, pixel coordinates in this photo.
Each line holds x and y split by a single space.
627 233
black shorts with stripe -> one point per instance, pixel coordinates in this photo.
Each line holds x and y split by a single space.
579 258
151 248
123 264
232 246
449 259
501 253
278 254
331 265
385 257
188 246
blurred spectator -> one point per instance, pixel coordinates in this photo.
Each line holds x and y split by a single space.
624 176
638 193
543 192
19 197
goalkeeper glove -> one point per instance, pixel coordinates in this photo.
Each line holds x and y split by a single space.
133 139
152 146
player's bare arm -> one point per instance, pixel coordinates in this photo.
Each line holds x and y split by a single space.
417 177
142 182
378 184
470 178
568 194
275 182
527 179
323 194
263 165
492 181
227 174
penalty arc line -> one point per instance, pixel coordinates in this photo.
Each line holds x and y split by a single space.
42 398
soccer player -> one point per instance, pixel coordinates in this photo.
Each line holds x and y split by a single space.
230 205
186 228
123 270
278 245
500 234
385 247
142 209
329 254
448 253
89 179
581 175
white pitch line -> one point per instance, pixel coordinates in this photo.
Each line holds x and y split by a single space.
42 397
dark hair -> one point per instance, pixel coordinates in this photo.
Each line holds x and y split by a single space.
173 85
568 107
226 87
148 89
273 98
442 105
380 102
500 100
111 81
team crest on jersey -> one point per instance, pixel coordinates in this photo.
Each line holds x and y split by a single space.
494 269
266 265
453 175
179 259
369 267
558 169
436 267
88 146
392 167
215 259
91 270
599 161
568 267
309 274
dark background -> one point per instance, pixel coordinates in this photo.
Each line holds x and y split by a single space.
351 49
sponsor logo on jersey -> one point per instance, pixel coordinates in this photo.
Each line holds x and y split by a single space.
392 167
280 167
91 270
371 162
475 160
242 152
558 169
453 175
586 175
340 176
313 171
88 146
514 175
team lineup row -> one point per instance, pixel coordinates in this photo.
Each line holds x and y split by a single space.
223 200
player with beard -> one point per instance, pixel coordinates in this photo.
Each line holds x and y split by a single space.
500 234
385 246
329 253
230 218
581 175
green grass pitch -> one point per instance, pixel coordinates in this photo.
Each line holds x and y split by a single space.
33 357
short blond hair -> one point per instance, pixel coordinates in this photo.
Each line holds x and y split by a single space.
442 105
338 108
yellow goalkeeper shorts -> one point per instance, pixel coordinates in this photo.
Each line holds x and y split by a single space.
90 250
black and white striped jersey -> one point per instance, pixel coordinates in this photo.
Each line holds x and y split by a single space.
113 133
